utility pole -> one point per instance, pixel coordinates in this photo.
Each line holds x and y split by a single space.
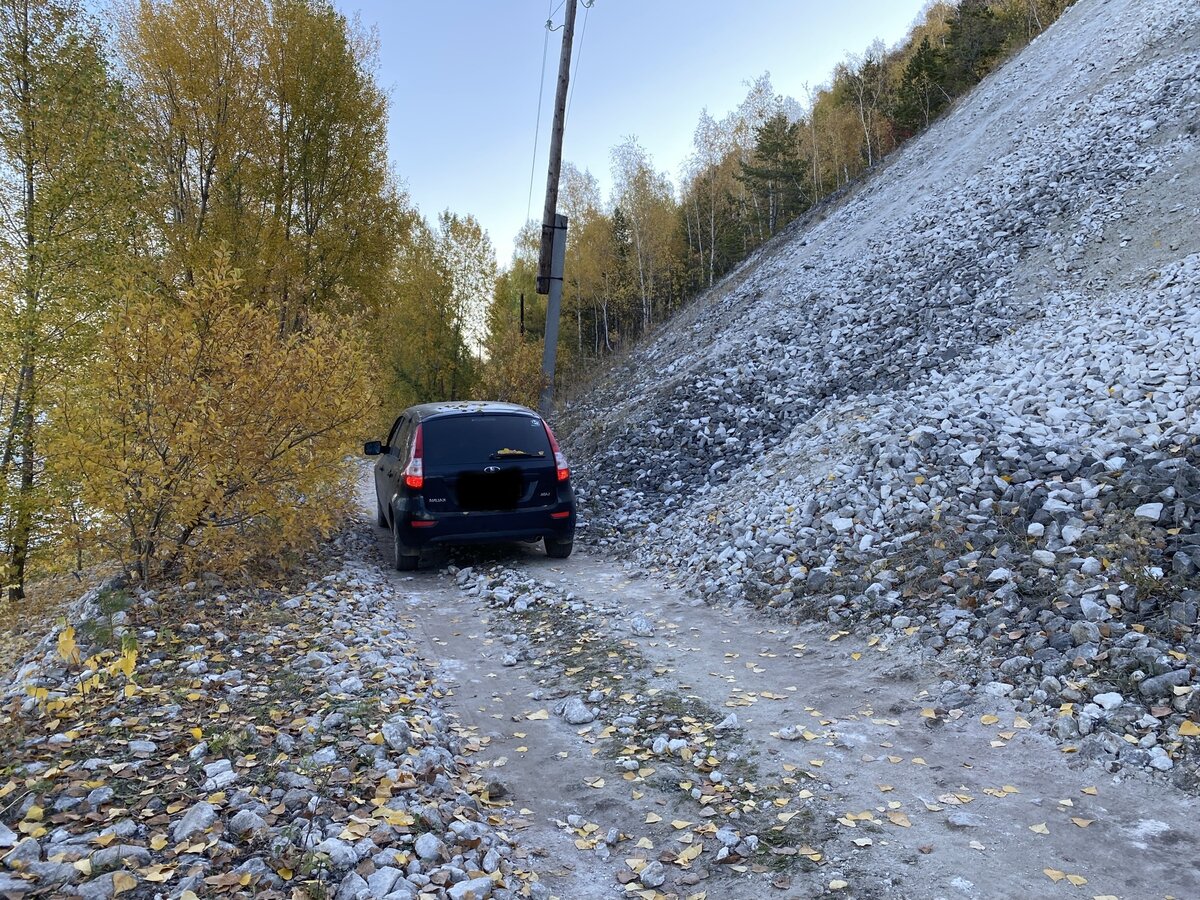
554 226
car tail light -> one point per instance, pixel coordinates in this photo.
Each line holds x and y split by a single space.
414 472
560 461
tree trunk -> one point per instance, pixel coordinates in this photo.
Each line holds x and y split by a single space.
862 117
712 231
22 530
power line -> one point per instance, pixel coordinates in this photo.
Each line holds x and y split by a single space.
538 126
587 8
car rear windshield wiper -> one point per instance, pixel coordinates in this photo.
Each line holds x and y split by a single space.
516 454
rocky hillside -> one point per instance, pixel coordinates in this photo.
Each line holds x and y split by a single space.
965 402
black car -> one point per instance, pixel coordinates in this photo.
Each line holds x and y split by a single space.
468 472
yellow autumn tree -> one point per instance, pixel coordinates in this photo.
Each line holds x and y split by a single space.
209 440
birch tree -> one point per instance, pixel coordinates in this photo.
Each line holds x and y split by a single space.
66 178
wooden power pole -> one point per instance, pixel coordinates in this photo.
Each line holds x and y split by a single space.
554 226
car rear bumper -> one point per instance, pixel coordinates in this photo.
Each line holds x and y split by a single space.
477 527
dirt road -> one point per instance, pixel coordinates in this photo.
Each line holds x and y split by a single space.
880 792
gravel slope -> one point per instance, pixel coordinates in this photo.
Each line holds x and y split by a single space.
964 403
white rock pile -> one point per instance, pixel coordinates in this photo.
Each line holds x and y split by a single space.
965 404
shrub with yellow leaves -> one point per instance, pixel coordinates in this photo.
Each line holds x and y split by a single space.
208 440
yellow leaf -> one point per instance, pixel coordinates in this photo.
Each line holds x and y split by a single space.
651 818
690 853
538 716
122 882
989 719
67 647
1188 728
157 873
196 733
1077 880
1054 875
1040 828
34 814
1082 823
837 884
127 662
158 842
899 818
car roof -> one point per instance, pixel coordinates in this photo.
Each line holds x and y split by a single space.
466 407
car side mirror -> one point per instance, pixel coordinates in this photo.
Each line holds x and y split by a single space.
372 448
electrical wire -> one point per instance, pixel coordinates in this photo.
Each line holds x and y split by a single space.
538 126
587 8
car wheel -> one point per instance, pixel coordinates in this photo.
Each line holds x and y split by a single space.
380 515
559 549
402 558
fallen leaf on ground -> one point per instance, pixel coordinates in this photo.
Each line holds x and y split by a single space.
689 853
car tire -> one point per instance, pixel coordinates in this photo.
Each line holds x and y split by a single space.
402 558
380 515
559 549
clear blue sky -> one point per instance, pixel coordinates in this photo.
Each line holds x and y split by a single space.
463 82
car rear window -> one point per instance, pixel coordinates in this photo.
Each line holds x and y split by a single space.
471 440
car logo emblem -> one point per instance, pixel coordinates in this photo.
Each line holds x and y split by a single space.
492 469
